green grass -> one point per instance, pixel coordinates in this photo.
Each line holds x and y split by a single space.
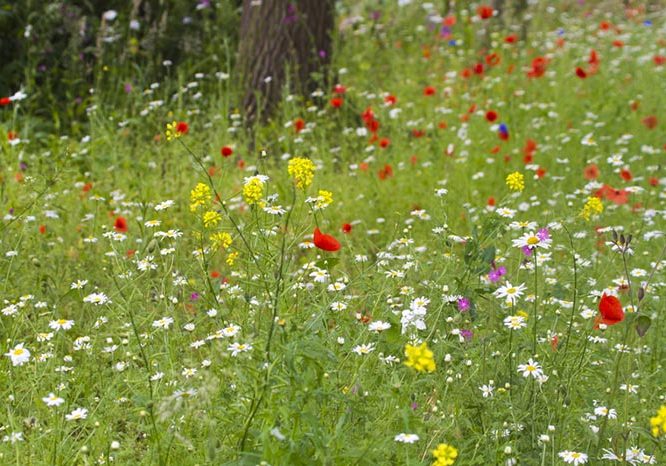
301 395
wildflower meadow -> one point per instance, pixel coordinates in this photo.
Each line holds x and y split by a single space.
453 253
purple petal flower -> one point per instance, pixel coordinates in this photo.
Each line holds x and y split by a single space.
463 304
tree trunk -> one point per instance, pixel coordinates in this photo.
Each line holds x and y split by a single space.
282 42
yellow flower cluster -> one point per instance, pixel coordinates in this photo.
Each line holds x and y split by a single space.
231 258
172 131
515 181
591 207
420 358
221 240
253 190
211 218
302 171
445 455
199 196
658 423
324 199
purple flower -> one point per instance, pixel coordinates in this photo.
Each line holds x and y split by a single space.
414 405
527 251
127 88
463 304
496 273
543 234
322 53
466 334
194 296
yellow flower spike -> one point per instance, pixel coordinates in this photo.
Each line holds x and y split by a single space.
199 196
324 199
515 181
253 190
445 455
211 218
302 171
592 206
420 358
221 240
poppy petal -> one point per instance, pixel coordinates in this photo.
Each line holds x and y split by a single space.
325 242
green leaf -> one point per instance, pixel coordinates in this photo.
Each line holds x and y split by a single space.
488 254
642 325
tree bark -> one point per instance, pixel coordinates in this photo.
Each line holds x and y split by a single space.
282 42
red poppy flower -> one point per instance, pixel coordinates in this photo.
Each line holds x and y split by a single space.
372 125
491 115
346 227
538 68
390 99
650 122
429 90
120 225
617 196
591 172
339 89
512 39
478 68
449 21
325 242
42 229
659 60
530 147
485 11
604 25
299 124
11 135
87 187
618 43
336 102
626 174
610 311
580 72
384 143
385 172
540 172
5 101
653 181
182 127
492 59
491 201
226 151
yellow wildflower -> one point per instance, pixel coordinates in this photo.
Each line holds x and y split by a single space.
231 258
445 455
253 190
302 171
199 196
221 240
515 181
175 130
324 199
591 207
420 358
211 218
658 423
